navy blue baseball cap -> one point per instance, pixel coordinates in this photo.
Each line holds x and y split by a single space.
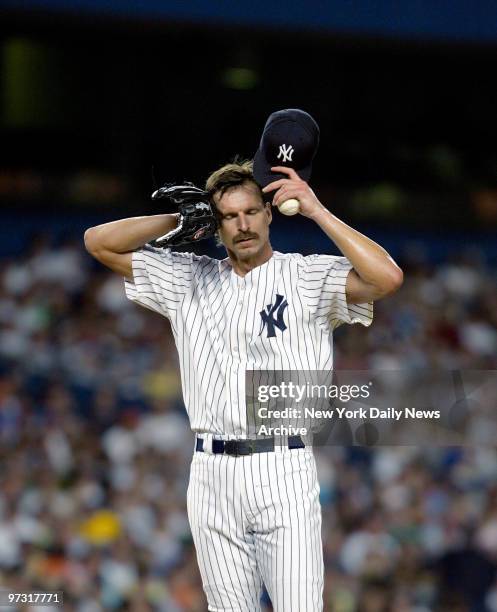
290 138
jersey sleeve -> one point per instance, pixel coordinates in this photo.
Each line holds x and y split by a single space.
322 281
161 279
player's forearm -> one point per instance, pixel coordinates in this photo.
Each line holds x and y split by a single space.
126 235
371 262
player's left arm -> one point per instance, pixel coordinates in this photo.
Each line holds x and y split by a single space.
375 274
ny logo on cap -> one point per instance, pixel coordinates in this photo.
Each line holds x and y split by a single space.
287 152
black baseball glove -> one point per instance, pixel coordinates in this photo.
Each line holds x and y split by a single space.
197 215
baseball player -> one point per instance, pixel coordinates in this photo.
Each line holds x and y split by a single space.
253 504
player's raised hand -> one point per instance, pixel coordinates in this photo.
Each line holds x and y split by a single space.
294 187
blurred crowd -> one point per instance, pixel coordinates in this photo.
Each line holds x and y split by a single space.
95 448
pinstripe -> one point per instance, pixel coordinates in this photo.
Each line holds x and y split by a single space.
242 523
300 523
209 582
279 548
255 517
230 514
300 526
217 577
217 526
288 557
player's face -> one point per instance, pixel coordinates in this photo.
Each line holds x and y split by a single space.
244 223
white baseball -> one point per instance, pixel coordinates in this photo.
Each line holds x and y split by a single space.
289 207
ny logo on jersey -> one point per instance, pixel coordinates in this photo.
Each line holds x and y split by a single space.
287 151
269 319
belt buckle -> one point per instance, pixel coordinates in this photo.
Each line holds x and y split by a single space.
250 446
238 448
230 448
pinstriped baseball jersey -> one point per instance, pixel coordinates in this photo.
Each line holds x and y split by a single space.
279 316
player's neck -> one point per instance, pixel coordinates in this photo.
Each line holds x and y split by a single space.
243 267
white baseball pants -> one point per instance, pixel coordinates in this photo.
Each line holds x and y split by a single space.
254 519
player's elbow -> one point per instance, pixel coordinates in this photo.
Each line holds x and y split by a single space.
91 241
121 263
392 281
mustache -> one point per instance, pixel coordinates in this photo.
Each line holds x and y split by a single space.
245 237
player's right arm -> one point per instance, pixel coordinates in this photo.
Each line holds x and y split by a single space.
112 244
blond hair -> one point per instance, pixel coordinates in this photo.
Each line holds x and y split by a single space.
236 173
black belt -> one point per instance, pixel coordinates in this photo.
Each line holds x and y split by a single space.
246 447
